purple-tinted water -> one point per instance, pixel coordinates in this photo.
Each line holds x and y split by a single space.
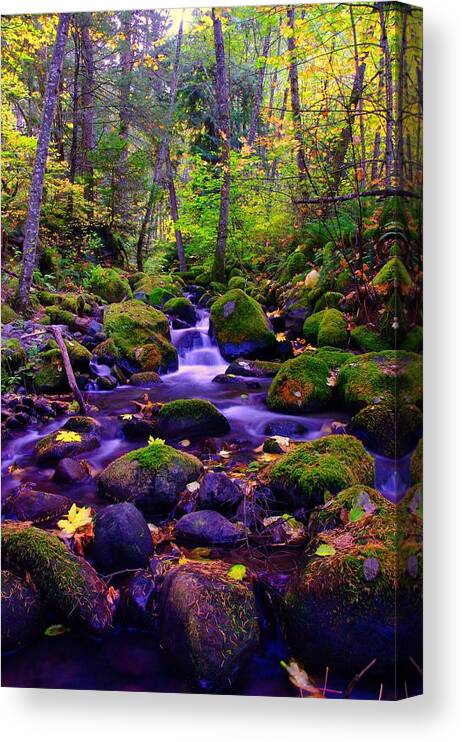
133 660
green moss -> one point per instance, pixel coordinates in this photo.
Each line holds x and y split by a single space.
109 285
48 298
312 470
295 264
159 456
51 376
387 431
217 288
333 357
78 354
135 278
300 386
234 272
106 351
417 463
343 280
352 504
159 296
238 320
237 282
8 314
311 327
60 316
413 340
133 324
368 340
329 300
178 303
65 581
13 355
393 275
75 303
392 377
332 330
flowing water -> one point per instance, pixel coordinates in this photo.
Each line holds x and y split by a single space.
132 660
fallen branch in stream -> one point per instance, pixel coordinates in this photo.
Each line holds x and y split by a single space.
55 330
357 678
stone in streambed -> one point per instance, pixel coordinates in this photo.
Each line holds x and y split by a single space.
152 477
208 623
387 431
254 369
78 435
145 379
207 528
190 417
138 601
66 583
241 327
287 428
181 308
70 470
35 506
300 386
139 428
21 612
218 492
327 327
122 539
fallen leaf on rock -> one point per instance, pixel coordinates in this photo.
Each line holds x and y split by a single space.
237 572
68 436
325 550
56 629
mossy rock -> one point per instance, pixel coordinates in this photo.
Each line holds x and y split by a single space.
241 327
350 506
368 340
235 272
342 608
313 471
50 377
107 352
417 463
387 431
136 278
145 379
237 282
182 308
78 435
21 612
191 417
392 377
133 324
329 300
253 368
109 285
66 583
343 281
8 314
392 276
79 355
300 386
59 316
295 264
159 296
50 261
333 357
327 327
75 303
208 623
152 477
413 340
13 356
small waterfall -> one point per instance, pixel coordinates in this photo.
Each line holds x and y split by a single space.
196 349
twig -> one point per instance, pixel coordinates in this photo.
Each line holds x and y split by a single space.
68 368
325 680
357 678
414 663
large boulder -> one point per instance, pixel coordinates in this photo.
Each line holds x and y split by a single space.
311 471
152 477
368 340
387 431
21 612
35 506
132 325
122 539
109 285
190 417
208 623
207 528
300 386
181 308
67 584
393 377
78 435
218 492
241 327
327 327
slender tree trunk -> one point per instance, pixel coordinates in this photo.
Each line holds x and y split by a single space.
56 331
127 63
75 116
283 110
259 93
88 83
347 131
375 156
222 99
296 104
38 174
389 96
401 97
360 102
175 213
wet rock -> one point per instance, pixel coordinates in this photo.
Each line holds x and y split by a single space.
138 601
21 612
69 471
241 327
139 428
105 383
189 341
17 421
182 309
208 623
78 435
287 428
207 528
327 327
218 492
122 539
271 445
236 381
95 328
152 477
67 584
191 417
387 431
145 379
35 506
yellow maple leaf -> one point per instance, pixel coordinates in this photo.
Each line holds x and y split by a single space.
76 519
68 436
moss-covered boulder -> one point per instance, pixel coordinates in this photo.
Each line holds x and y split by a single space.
295 264
67 584
145 379
131 325
237 282
78 435
190 417
79 355
327 327
311 472
368 340
300 386
50 377
417 463
59 316
13 356
160 295
391 377
241 327
109 285
333 357
208 623
329 300
21 612
387 431
392 276
181 308
152 477
253 368
351 505
8 314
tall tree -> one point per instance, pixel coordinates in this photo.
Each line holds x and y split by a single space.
296 104
88 84
259 92
222 101
37 182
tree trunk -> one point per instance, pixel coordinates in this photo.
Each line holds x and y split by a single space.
401 97
222 99
38 174
88 136
69 369
296 104
75 116
389 95
360 102
259 93
175 213
347 131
